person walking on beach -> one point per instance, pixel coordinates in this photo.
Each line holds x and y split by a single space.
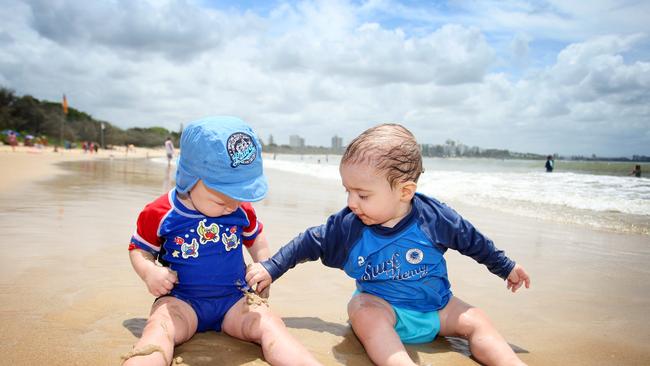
550 164
187 248
13 140
391 240
636 171
169 149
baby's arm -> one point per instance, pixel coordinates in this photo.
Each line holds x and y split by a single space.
471 242
159 280
302 248
454 232
328 242
259 251
518 277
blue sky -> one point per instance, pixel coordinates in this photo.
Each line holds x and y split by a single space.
568 77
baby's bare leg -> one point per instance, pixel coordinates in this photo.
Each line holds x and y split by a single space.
486 344
256 323
373 321
171 322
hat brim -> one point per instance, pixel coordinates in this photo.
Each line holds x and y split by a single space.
249 191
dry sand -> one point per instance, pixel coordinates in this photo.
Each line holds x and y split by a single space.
69 296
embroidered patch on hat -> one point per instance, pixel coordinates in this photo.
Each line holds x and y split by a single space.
241 149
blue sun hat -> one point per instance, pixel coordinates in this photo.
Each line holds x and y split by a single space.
226 155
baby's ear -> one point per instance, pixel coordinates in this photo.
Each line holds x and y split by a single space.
408 189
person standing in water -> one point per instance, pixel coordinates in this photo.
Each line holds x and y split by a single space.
636 171
550 164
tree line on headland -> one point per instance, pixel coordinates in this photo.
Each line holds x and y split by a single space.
46 121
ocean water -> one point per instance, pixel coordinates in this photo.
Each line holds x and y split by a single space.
597 194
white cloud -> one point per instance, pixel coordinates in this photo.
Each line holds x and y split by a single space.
520 49
332 67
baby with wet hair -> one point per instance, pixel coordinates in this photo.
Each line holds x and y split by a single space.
391 241
391 149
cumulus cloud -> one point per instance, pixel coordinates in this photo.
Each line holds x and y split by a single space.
520 49
321 68
172 28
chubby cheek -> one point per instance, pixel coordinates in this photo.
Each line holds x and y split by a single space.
378 214
366 213
210 210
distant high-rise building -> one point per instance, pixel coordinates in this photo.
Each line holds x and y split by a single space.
426 149
296 141
337 143
271 142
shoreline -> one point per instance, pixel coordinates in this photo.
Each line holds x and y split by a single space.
31 164
603 203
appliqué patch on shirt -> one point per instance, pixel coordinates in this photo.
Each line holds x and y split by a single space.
414 256
360 261
241 149
209 233
190 249
230 241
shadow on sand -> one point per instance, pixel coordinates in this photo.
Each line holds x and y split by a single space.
207 348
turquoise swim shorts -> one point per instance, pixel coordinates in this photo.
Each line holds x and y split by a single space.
415 326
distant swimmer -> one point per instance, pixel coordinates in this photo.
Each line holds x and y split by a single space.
637 171
549 164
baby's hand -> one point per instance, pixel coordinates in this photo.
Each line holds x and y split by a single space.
258 278
160 280
518 277
265 293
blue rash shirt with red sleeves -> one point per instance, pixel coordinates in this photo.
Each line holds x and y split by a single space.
403 265
206 252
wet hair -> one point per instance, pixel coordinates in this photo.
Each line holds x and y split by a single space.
390 148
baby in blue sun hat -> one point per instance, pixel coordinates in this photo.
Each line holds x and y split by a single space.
187 248
225 153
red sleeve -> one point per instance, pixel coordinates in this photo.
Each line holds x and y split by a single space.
254 227
146 232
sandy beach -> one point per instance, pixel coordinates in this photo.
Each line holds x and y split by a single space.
68 295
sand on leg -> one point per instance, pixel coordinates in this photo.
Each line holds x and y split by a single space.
171 322
253 321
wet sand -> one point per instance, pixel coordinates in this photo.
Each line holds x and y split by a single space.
68 294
